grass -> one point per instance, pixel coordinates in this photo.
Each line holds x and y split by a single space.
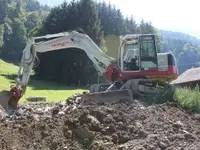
188 98
7 68
54 91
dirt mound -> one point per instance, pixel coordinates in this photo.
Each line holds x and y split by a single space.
124 125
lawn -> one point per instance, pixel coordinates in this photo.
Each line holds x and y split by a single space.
55 92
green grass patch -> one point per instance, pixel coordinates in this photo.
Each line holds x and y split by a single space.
188 98
7 68
54 91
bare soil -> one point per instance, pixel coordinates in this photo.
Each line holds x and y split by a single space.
73 125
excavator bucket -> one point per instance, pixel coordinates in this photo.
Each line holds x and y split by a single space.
5 97
9 100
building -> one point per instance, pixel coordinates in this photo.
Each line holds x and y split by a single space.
189 78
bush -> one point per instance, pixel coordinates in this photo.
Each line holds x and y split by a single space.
188 98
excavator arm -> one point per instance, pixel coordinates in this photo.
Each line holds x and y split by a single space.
48 43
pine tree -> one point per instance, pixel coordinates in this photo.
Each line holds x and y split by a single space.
3 11
85 16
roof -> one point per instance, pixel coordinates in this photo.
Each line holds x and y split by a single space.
189 75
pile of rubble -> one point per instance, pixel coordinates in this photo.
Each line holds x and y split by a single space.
74 125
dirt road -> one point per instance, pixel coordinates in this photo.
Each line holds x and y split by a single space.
121 126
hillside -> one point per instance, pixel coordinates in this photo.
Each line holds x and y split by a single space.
17 19
178 35
186 48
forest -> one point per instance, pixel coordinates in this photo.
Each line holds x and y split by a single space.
21 19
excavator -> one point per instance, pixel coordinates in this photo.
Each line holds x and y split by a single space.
138 71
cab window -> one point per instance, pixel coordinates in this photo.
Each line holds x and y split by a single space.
148 48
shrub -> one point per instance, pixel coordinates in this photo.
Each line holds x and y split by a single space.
188 98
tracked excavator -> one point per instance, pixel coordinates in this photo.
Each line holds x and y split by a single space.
139 70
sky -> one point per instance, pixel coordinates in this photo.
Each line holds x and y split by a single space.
175 15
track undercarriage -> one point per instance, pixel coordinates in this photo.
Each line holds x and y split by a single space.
142 89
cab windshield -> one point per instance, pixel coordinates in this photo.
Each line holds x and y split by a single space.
147 47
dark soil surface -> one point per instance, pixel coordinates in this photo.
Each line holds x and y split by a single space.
121 126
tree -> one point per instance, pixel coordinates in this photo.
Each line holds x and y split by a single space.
85 16
16 41
3 11
32 22
1 37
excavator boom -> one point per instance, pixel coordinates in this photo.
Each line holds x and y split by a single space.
51 42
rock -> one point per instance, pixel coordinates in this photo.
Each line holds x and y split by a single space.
69 134
109 110
44 134
120 124
142 117
178 124
103 131
99 114
109 119
83 133
151 147
153 136
115 138
190 136
36 117
162 145
78 100
62 104
109 116
123 138
93 120
55 111
179 136
61 113
66 109
196 117
2 114
131 128
19 112
111 128
106 146
70 102
107 139
138 124
142 133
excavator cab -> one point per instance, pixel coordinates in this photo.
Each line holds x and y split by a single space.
139 54
141 71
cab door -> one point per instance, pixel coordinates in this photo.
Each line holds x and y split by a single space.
148 53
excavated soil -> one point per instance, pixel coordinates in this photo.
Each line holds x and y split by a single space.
72 125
